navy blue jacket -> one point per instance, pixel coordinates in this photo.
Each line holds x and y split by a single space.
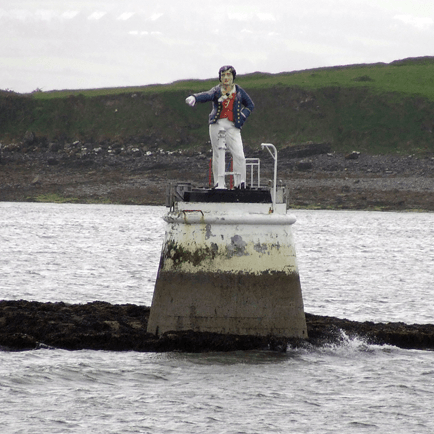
243 104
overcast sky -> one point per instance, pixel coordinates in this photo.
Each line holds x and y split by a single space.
81 44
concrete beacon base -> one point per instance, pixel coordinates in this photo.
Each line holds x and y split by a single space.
228 268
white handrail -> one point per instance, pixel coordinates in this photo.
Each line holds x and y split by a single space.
251 162
274 155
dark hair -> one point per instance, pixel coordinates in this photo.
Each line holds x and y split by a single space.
227 68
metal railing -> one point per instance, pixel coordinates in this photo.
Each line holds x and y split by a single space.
252 163
271 148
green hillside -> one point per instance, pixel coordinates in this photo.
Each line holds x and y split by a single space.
376 108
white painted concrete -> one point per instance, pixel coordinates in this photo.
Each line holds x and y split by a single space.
228 268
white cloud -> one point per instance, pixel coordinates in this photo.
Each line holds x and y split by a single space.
69 14
154 17
239 16
20 14
125 16
266 16
141 33
45 15
97 15
419 23
194 38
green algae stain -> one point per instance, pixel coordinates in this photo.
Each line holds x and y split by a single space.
180 255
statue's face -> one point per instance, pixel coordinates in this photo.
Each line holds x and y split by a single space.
227 78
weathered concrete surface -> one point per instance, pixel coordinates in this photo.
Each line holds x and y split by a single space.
26 325
228 268
242 304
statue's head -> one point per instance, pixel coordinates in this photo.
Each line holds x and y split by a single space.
225 72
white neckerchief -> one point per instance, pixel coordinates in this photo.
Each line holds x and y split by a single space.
227 95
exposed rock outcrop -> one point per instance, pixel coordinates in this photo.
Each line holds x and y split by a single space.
26 325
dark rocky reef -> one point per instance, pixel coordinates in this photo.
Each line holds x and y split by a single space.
27 325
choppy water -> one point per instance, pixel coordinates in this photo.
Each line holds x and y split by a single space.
358 265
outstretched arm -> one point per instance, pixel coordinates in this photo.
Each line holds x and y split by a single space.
203 96
191 101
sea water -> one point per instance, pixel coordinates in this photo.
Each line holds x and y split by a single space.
357 265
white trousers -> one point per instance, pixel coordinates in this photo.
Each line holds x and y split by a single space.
233 142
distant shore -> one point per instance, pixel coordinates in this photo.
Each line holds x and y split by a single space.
27 325
131 176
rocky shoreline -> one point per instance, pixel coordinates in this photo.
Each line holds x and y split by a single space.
134 174
28 325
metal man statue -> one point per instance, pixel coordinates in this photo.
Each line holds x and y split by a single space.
231 106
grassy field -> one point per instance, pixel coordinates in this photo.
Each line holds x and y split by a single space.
408 77
377 108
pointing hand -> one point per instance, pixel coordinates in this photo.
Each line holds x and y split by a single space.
191 101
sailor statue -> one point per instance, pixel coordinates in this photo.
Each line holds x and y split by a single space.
231 106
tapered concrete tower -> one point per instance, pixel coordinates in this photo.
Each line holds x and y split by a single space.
228 264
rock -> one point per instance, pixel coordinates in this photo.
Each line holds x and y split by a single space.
135 152
304 165
352 156
29 138
36 181
103 326
305 150
55 147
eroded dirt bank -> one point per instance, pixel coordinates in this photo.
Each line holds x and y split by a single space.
314 177
28 325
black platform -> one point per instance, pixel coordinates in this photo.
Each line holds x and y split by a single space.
257 195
